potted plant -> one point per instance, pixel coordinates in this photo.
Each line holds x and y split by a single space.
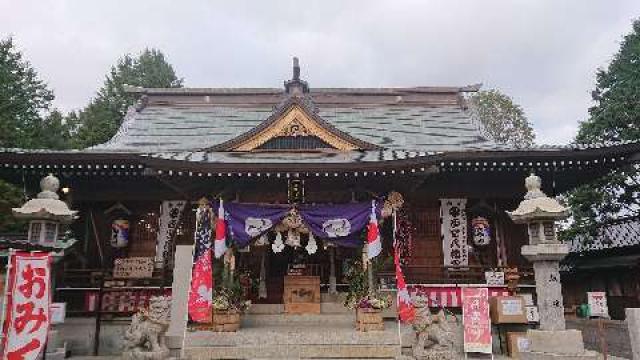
363 298
229 303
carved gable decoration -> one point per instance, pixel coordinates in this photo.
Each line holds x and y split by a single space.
294 122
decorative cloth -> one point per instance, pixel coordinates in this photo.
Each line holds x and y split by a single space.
406 310
453 220
201 292
167 225
339 223
248 221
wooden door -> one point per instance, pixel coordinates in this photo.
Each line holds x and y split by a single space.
426 261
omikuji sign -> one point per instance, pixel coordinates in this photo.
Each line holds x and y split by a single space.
475 320
27 306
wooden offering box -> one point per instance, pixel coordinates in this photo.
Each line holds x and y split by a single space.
301 294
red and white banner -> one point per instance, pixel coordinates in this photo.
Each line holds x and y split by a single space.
447 296
28 298
406 311
374 244
220 243
201 292
476 321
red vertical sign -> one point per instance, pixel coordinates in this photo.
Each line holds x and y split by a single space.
27 309
476 321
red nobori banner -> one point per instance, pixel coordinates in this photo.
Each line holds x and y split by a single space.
475 320
28 297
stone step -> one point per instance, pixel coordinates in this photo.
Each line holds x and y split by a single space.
272 336
294 352
325 308
331 334
253 320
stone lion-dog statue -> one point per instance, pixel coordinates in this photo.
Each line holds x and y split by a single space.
144 339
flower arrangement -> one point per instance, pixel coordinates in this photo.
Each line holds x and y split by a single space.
229 294
227 300
359 296
375 301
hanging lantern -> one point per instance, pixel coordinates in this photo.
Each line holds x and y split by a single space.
481 231
120 233
312 246
277 245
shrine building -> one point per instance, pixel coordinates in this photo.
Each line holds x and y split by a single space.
413 155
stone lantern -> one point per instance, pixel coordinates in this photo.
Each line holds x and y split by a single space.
46 212
540 212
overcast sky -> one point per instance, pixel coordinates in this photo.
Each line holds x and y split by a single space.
542 53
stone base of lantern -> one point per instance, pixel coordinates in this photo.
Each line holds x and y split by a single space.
556 344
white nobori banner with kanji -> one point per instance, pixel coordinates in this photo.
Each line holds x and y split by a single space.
454 232
27 306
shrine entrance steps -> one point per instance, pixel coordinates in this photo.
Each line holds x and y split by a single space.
283 336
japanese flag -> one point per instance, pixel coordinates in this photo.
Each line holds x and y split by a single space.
220 243
374 244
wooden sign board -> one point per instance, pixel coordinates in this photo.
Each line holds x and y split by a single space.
133 268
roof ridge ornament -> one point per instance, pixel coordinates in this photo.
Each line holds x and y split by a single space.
295 86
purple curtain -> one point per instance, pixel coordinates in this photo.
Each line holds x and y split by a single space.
248 221
339 223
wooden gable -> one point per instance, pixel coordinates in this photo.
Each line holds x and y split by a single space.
295 127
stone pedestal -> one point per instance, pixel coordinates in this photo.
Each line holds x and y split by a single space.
546 259
552 341
179 296
633 322
556 344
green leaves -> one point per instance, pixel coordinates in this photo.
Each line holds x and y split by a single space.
23 99
10 197
100 120
504 121
614 117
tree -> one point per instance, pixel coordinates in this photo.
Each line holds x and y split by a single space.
100 120
55 131
504 121
10 197
23 98
615 116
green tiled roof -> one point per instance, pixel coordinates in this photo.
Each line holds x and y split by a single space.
159 128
